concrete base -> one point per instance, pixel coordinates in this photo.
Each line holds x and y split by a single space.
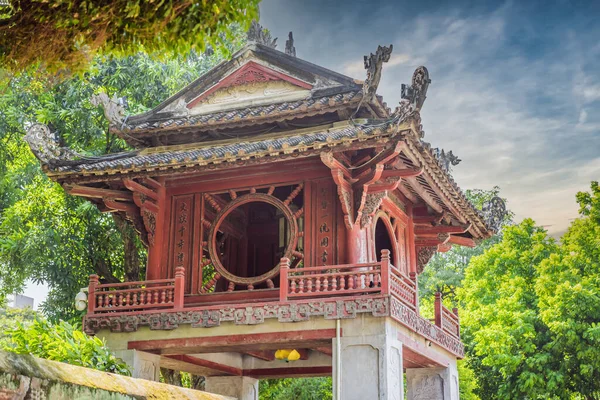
432 383
240 387
143 365
371 359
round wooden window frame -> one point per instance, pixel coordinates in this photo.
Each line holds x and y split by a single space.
389 227
249 198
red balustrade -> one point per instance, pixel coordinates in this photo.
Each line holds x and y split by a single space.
404 288
445 319
134 296
330 280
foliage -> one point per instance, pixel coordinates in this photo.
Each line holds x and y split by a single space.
11 319
66 34
502 321
569 299
61 342
445 271
45 234
296 389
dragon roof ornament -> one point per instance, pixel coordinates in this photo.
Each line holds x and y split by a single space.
374 65
114 108
416 93
290 50
447 160
260 35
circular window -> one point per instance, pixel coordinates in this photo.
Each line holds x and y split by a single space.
250 236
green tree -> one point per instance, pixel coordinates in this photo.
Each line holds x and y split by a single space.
67 33
296 389
569 299
45 234
501 321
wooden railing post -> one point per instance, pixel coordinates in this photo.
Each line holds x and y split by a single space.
179 287
413 277
455 312
284 267
92 293
385 271
438 310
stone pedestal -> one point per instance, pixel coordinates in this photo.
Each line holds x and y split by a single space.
432 383
371 361
240 387
143 365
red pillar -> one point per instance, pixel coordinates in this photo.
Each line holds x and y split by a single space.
284 267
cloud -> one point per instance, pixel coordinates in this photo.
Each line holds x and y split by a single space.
509 97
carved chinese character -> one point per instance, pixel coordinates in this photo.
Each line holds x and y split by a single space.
323 228
325 241
181 230
324 256
180 243
183 218
183 207
180 257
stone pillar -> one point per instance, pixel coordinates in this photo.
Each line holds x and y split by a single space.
143 365
240 387
371 361
432 383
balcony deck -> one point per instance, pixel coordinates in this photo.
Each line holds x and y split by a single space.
333 292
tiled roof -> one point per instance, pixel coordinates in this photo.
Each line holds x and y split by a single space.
222 152
298 108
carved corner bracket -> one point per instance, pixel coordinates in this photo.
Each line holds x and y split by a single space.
363 182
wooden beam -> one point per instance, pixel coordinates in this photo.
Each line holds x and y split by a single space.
325 350
381 158
434 230
296 372
262 355
334 164
427 198
382 187
408 194
239 343
462 241
85 191
402 173
226 369
429 219
136 187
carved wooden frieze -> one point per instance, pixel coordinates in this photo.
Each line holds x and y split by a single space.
424 254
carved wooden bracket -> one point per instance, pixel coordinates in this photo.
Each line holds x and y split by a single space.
363 183
424 254
148 196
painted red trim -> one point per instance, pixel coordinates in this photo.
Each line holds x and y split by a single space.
229 370
251 66
288 372
272 338
262 355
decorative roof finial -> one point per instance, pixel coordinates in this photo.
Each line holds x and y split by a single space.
447 160
417 91
114 109
45 147
260 35
373 65
290 50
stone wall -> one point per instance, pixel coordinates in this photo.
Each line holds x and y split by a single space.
24 377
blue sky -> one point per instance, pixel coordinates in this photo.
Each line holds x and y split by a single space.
515 87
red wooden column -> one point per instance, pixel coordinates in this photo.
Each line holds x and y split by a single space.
179 287
355 242
153 267
92 293
284 267
385 271
438 309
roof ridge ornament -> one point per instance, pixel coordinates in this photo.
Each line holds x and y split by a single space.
260 35
290 50
416 93
446 160
114 108
374 65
